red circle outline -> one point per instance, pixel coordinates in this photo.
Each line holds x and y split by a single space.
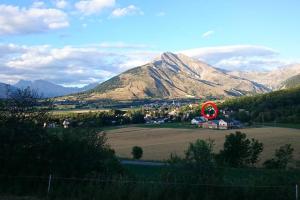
212 104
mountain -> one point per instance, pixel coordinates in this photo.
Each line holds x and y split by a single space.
48 89
291 82
5 89
88 87
172 76
271 79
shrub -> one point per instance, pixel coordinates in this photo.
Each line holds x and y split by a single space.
283 156
137 152
239 151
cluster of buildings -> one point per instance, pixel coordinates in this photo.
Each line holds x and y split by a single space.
65 124
216 124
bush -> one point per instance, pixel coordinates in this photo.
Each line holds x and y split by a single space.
283 156
137 152
239 151
198 165
200 153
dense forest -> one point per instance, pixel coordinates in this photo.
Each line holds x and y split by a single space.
279 106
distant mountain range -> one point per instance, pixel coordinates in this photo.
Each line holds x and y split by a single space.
172 76
291 82
5 89
44 88
271 79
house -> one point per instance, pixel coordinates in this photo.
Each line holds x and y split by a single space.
211 124
229 123
66 123
198 120
224 124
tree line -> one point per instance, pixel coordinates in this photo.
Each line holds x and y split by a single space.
280 106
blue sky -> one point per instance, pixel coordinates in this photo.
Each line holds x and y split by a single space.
55 36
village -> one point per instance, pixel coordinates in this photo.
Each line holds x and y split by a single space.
168 113
150 113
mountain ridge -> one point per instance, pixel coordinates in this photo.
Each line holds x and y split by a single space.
5 89
291 82
271 79
173 76
48 89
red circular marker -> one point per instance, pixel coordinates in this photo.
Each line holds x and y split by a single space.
209 110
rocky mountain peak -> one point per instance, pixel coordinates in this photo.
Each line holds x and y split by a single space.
173 76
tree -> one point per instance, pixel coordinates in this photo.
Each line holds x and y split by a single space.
243 116
283 156
26 148
22 136
200 153
137 152
137 117
198 163
239 151
25 105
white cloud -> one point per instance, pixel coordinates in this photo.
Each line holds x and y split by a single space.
61 4
208 34
251 63
229 51
10 49
89 7
160 14
74 65
129 10
67 65
38 4
16 20
238 57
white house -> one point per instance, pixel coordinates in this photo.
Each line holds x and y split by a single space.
223 124
66 123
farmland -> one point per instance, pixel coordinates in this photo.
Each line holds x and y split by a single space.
158 143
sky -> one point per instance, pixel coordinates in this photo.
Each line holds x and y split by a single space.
77 42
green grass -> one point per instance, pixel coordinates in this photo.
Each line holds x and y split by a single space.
145 171
234 176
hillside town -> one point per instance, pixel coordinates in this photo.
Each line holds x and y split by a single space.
173 112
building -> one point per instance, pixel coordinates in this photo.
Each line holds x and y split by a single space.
66 123
224 124
211 124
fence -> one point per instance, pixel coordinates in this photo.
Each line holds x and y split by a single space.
55 187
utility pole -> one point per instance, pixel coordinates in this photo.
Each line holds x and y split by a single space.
49 184
296 191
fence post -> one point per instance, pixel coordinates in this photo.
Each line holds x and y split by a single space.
49 183
296 191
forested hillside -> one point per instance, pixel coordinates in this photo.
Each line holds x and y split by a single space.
279 106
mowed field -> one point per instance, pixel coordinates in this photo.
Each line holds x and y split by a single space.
159 143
